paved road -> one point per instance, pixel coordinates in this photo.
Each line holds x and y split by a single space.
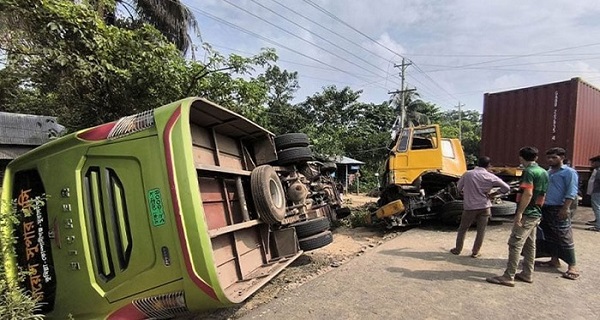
414 277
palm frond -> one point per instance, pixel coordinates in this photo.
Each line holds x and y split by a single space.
171 17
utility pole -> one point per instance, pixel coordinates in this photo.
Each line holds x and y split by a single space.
460 120
402 90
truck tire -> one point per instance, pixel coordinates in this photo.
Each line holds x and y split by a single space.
316 241
268 194
290 140
452 212
311 227
504 208
294 155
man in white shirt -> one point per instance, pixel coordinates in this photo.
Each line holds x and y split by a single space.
593 189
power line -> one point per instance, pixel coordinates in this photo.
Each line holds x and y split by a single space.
532 54
507 65
316 6
332 31
234 26
296 36
317 35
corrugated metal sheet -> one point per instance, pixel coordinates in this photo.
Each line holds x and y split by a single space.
563 114
587 125
27 129
11 152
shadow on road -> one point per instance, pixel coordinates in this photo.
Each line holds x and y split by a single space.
447 257
469 275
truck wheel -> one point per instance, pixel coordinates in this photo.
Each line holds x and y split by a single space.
290 140
452 212
504 208
294 155
311 227
317 241
268 194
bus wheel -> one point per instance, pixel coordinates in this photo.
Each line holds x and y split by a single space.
290 140
294 155
268 194
316 241
311 227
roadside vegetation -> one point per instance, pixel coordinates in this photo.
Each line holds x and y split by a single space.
15 303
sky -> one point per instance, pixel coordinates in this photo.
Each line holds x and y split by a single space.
457 49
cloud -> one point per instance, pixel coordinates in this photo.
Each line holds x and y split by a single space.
460 48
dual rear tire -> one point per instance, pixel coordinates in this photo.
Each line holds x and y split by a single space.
313 234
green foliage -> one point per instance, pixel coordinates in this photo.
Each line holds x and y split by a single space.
85 72
66 62
330 116
471 131
15 303
357 218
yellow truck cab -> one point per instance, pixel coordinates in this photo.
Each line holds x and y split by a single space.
420 178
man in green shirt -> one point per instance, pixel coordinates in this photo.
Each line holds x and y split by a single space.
532 191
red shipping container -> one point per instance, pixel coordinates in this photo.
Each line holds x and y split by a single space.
563 114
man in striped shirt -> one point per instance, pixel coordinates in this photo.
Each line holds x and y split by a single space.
475 186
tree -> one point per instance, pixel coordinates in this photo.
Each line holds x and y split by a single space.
171 17
471 130
332 113
283 117
65 61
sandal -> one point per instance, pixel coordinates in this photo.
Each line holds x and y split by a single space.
501 280
571 275
593 229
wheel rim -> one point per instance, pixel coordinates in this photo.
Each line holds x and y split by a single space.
276 195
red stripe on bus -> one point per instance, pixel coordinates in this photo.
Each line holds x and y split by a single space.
128 312
176 210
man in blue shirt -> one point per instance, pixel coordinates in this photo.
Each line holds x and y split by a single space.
557 240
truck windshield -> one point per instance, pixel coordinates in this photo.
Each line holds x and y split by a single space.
424 139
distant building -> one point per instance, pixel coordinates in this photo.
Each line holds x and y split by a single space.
20 133
347 170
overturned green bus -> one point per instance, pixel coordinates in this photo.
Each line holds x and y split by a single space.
180 209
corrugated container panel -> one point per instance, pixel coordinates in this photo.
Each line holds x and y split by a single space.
27 129
541 116
587 124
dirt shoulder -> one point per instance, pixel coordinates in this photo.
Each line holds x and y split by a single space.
348 243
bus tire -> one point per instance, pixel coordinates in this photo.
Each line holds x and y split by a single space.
290 140
311 227
316 241
294 155
268 194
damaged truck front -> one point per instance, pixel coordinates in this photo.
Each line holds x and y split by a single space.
420 178
184 208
